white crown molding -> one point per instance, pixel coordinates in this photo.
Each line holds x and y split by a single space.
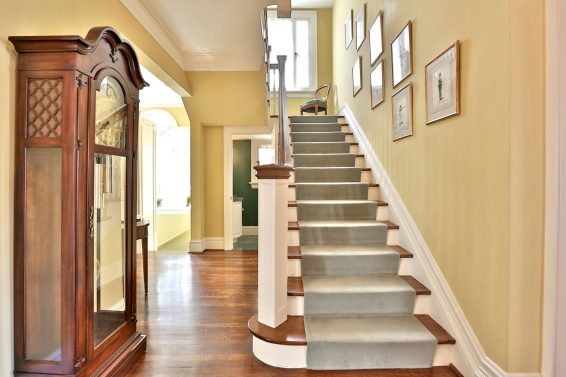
138 9
469 355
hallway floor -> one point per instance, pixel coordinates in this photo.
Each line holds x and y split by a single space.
195 317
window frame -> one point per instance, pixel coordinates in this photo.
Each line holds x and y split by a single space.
311 17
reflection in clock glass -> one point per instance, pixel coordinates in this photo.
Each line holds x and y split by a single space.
111 114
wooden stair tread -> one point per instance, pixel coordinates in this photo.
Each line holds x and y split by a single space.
293 203
442 336
295 286
294 225
294 252
292 331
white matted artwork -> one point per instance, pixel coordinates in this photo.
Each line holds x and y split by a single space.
442 77
357 76
376 39
401 59
361 27
376 83
349 29
402 105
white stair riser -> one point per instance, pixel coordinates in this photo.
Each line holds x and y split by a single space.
294 267
296 305
382 213
373 194
392 237
280 355
287 356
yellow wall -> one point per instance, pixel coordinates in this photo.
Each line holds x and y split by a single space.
171 225
179 113
323 61
219 99
28 17
473 183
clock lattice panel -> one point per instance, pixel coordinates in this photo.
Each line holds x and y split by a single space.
44 107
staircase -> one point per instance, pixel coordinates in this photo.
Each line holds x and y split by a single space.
351 299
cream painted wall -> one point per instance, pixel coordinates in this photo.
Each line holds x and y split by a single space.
171 225
473 183
179 113
27 17
323 61
219 99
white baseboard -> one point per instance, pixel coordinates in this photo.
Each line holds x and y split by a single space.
211 243
249 230
469 356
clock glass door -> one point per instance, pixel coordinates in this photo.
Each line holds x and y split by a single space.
108 222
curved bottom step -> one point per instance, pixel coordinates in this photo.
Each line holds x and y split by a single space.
286 345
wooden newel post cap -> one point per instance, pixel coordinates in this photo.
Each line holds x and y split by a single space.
273 171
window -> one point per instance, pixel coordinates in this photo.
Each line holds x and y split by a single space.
173 168
295 37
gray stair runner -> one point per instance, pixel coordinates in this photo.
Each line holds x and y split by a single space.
357 308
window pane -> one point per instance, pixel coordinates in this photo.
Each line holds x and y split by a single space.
302 57
281 41
109 245
173 168
111 114
42 255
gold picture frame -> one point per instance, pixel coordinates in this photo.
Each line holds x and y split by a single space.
402 110
361 27
376 39
357 83
377 86
349 29
442 85
402 55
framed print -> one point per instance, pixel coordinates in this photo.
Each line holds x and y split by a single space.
402 105
442 82
361 27
376 39
401 58
357 76
376 83
349 28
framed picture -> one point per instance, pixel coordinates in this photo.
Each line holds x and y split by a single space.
361 27
402 105
442 82
376 82
401 58
376 39
349 28
357 76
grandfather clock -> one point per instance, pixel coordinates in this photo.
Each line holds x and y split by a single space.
75 205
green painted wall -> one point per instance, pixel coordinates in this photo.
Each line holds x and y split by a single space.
242 177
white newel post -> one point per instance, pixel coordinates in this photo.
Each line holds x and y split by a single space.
273 183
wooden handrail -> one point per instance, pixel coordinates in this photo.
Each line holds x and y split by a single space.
284 145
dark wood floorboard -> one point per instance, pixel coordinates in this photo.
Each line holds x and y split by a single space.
196 315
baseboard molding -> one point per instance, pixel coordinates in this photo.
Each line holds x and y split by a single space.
469 355
211 243
180 234
249 230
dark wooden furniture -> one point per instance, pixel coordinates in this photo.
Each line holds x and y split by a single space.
317 103
75 195
142 233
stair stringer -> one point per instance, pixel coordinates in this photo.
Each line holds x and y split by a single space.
467 354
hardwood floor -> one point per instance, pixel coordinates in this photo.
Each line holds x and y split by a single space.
196 314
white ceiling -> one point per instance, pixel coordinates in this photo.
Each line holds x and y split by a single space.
209 35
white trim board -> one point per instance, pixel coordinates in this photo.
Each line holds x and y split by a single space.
249 231
229 133
469 356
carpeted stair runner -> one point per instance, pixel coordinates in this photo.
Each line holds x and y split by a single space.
357 311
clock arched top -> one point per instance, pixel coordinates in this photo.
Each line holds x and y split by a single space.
104 41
